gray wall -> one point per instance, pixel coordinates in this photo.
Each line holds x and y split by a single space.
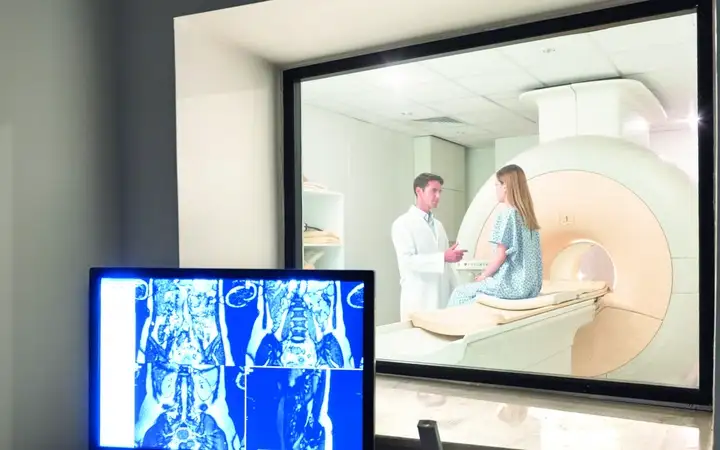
59 212
75 190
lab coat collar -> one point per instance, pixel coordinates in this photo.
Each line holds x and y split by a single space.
420 213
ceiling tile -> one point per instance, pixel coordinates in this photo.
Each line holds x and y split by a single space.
468 132
464 105
485 120
442 129
472 63
550 51
482 88
436 91
387 104
512 129
679 57
403 127
493 83
511 101
506 126
345 110
577 71
331 86
561 60
400 78
639 36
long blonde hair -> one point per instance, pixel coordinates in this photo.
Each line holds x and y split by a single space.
518 193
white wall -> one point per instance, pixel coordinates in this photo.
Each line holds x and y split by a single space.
228 165
447 159
480 166
374 169
59 213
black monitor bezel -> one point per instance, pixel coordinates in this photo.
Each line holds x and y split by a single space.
97 274
635 12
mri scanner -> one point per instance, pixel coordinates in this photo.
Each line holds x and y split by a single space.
597 187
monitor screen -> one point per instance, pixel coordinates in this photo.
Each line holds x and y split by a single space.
230 360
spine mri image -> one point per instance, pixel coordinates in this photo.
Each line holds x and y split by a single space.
226 364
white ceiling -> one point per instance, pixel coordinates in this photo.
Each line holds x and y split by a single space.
481 88
292 32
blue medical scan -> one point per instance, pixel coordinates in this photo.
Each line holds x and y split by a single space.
304 408
226 364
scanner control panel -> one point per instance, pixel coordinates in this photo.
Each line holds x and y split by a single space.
472 266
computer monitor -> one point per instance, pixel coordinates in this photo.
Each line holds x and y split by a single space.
231 359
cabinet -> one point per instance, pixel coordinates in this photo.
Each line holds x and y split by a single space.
323 229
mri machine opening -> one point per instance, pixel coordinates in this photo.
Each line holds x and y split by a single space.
619 240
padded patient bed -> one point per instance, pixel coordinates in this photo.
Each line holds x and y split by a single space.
487 311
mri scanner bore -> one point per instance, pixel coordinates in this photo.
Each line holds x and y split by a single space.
596 275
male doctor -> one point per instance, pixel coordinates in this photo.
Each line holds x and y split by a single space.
421 244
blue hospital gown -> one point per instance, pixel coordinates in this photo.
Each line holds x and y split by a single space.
520 276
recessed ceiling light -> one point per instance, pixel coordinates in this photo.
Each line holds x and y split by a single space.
406 113
548 50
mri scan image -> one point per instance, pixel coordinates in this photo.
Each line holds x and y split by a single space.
303 409
202 343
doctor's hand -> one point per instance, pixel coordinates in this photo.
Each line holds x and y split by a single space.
453 254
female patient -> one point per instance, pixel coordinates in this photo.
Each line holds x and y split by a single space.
515 271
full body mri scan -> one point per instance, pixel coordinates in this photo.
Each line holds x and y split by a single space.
205 347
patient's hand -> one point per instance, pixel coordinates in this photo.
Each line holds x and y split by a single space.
480 277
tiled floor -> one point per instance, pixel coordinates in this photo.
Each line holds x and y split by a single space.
530 421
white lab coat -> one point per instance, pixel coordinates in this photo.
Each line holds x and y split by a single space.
426 280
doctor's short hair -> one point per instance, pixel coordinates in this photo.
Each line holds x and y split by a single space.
422 180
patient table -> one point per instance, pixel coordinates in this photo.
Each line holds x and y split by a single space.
533 334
